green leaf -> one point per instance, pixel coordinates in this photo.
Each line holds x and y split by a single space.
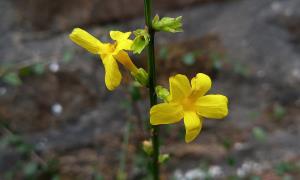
284 167
56 177
141 40
9 175
189 59
24 149
255 178
135 92
30 169
67 56
241 70
12 78
99 177
227 143
25 71
259 134
231 161
38 68
167 24
163 53
279 111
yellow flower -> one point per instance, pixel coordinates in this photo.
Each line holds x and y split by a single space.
187 101
110 53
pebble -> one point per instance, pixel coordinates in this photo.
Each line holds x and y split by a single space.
54 67
3 91
57 109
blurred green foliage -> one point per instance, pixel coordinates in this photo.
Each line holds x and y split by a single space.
285 167
279 111
259 134
189 59
12 78
26 166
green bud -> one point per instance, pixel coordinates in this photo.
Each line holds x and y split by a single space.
147 147
162 93
140 41
163 158
167 24
141 76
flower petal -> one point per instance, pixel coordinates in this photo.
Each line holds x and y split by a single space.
123 43
166 113
200 85
126 61
106 49
193 125
85 40
212 106
112 73
179 87
119 36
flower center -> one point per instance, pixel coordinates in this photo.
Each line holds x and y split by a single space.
112 47
189 104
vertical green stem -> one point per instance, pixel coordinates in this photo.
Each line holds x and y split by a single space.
152 84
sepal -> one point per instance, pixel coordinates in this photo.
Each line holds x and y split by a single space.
140 41
141 76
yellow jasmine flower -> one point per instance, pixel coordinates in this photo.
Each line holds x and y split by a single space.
110 53
188 101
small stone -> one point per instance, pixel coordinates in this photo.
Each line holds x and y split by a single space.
288 12
57 109
215 171
3 91
195 174
54 67
261 73
276 6
296 73
239 146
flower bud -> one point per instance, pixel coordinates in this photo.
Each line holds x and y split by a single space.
167 24
147 147
162 93
163 158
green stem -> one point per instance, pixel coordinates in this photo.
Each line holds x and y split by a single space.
152 84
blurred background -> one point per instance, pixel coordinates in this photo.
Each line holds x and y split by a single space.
58 121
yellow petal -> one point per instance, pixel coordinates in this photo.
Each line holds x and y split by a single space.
179 87
212 106
85 40
193 125
165 113
119 36
112 73
123 43
107 49
125 60
200 85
